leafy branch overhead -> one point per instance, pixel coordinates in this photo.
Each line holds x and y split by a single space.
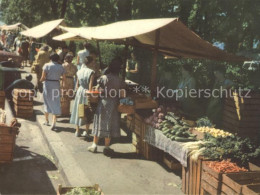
233 22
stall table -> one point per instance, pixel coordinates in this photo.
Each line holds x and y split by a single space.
157 139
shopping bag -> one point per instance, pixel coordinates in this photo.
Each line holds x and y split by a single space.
81 111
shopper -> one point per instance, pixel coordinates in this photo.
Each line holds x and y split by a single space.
107 118
82 54
33 51
85 82
51 74
62 53
25 51
41 58
95 66
71 71
133 69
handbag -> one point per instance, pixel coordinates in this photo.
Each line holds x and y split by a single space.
81 111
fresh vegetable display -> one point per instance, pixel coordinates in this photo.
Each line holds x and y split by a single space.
82 191
204 122
235 148
176 129
158 116
225 166
214 132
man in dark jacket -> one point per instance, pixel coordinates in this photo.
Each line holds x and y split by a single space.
19 84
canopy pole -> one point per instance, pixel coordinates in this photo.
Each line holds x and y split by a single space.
125 61
154 65
99 54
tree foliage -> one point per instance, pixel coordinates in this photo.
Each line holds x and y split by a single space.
236 23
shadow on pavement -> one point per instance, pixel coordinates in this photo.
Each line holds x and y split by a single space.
27 174
131 155
64 129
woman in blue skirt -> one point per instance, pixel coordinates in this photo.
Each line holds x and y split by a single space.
85 82
51 75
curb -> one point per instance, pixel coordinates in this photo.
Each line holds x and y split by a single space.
59 166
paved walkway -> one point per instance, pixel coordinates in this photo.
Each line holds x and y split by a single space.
44 158
125 173
33 170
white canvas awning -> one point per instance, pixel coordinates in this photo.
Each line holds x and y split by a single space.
43 29
175 39
68 37
14 27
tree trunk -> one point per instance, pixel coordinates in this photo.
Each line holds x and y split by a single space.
63 8
124 9
54 8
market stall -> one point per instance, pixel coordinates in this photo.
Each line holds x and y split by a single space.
43 29
164 129
17 26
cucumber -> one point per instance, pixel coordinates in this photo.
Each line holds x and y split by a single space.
184 129
173 132
167 131
178 133
181 139
177 127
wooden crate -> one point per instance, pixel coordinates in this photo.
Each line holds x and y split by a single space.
199 135
63 190
24 93
22 103
23 111
130 123
138 124
152 153
236 181
65 106
171 162
230 183
7 143
2 99
242 116
149 104
253 189
191 176
149 152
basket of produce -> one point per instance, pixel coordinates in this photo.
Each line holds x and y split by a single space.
93 96
89 190
128 109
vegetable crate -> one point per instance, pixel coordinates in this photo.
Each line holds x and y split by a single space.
63 190
7 143
130 122
215 183
23 103
171 162
2 99
65 106
136 141
150 152
191 176
242 115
